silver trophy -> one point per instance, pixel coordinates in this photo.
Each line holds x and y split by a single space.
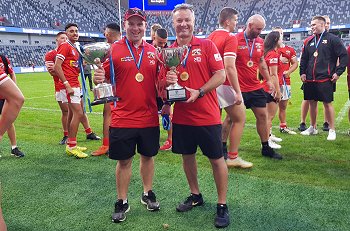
94 53
171 58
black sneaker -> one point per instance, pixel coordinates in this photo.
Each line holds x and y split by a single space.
16 152
192 201
302 127
222 218
325 126
150 201
120 211
64 140
92 136
269 152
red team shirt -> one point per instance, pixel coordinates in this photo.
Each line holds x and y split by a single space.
50 59
271 59
248 76
137 107
3 75
70 66
203 61
289 53
226 43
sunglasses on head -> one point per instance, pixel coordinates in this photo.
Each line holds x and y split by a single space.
136 11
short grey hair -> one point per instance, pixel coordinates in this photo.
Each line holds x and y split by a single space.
183 6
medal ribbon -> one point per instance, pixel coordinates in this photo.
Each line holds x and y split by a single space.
138 64
250 51
83 83
112 76
184 61
318 42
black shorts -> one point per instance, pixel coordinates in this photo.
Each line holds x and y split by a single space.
123 142
2 102
269 98
319 91
255 98
187 138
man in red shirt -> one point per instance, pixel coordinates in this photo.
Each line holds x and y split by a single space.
250 59
229 94
67 69
11 131
288 63
134 121
112 34
197 121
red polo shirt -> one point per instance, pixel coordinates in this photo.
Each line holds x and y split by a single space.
70 66
248 76
50 59
288 53
271 59
203 61
226 43
137 107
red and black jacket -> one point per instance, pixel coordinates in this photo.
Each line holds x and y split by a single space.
320 68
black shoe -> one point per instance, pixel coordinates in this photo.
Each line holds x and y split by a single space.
325 126
192 201
120 211
92 136
269 152
150 201
222 218
302 127
16 152
64 140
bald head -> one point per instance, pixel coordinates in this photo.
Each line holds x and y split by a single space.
255 25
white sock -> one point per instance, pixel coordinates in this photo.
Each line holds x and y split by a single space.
13 147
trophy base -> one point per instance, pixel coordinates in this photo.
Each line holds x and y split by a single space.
105 100
174 95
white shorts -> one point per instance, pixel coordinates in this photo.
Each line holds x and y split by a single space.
3 79
76 97
286 92
61 96
226 96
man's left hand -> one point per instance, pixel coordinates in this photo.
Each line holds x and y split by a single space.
193 95
335 77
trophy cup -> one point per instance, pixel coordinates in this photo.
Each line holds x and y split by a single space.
94 53
171 58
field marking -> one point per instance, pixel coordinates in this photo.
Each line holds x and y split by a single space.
54 110
342 113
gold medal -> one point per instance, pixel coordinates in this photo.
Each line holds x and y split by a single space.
139 77
184 76
315 54
250 63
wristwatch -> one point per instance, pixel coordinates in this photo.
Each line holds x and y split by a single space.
201 93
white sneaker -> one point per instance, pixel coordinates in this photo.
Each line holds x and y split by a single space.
331 135
287 131
310 131
275 138
273 145
238 163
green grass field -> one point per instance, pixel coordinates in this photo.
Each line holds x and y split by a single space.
47 190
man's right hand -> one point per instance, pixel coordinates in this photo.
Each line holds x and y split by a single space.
171 77
303 77
99 75
69 89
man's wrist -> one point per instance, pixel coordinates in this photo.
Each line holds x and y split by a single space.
201 93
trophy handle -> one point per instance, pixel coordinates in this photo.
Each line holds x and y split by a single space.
159 53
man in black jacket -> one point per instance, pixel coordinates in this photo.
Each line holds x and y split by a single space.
319 70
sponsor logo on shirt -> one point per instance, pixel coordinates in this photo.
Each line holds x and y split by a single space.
196 52
288 52
242 47
73 63
152 62
312 44
258 45
274 60
126 59
217 57
324 41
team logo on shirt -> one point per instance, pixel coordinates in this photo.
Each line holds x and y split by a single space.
152 62
126 59
196 52
242 47
217 57
288 52
150 55
324 41
312 44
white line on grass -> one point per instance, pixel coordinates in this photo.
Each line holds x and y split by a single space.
342 113
39 97
53 110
